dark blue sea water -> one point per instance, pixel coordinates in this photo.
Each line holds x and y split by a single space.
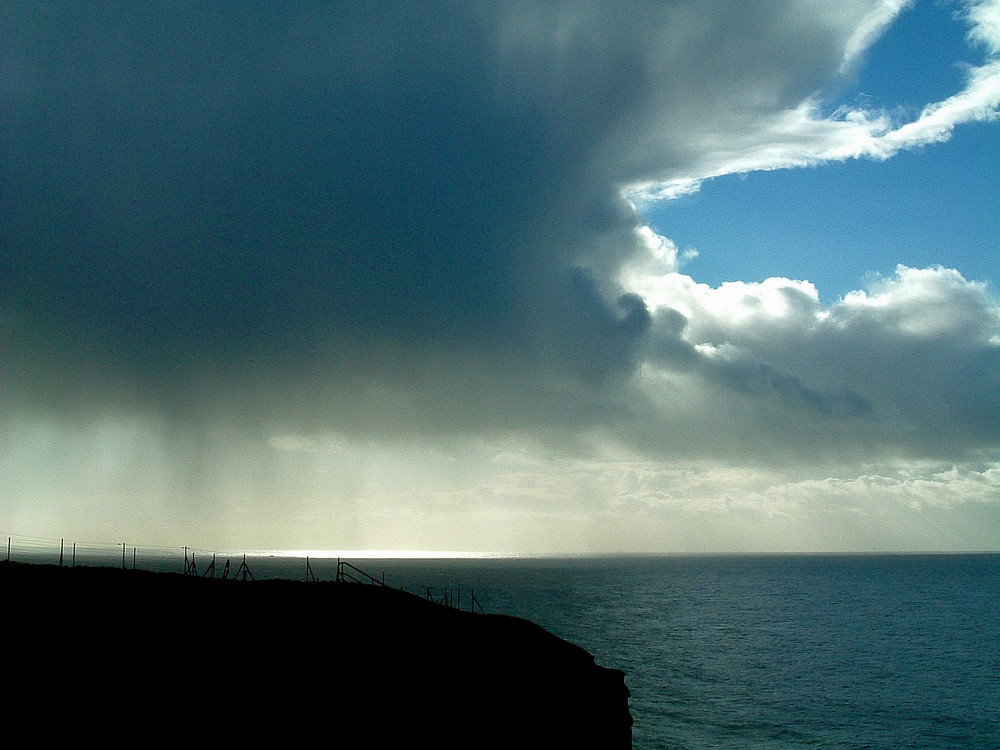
865 651
899 651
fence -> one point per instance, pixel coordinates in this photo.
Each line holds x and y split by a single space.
187 560
42 550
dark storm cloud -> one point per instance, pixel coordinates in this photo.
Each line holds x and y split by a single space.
197 192
407 218
744 375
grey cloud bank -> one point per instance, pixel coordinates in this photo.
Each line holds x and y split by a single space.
255 260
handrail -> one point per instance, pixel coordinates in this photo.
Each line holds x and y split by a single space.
342 575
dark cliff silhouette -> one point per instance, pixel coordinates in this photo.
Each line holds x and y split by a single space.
134 656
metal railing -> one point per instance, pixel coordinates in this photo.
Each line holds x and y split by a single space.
348 572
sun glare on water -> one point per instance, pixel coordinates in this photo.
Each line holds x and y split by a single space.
372 554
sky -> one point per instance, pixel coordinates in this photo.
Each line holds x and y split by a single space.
502 278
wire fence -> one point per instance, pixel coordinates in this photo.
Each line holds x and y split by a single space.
72 553
200 562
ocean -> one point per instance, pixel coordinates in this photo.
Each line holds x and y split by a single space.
770 652
860 651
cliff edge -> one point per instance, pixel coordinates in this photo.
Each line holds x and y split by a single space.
135 655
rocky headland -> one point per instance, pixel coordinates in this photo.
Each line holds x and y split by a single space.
134 656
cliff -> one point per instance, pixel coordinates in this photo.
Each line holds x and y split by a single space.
135 655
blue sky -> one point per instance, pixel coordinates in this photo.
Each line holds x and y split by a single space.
838 223
693 276
891 75
835 225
